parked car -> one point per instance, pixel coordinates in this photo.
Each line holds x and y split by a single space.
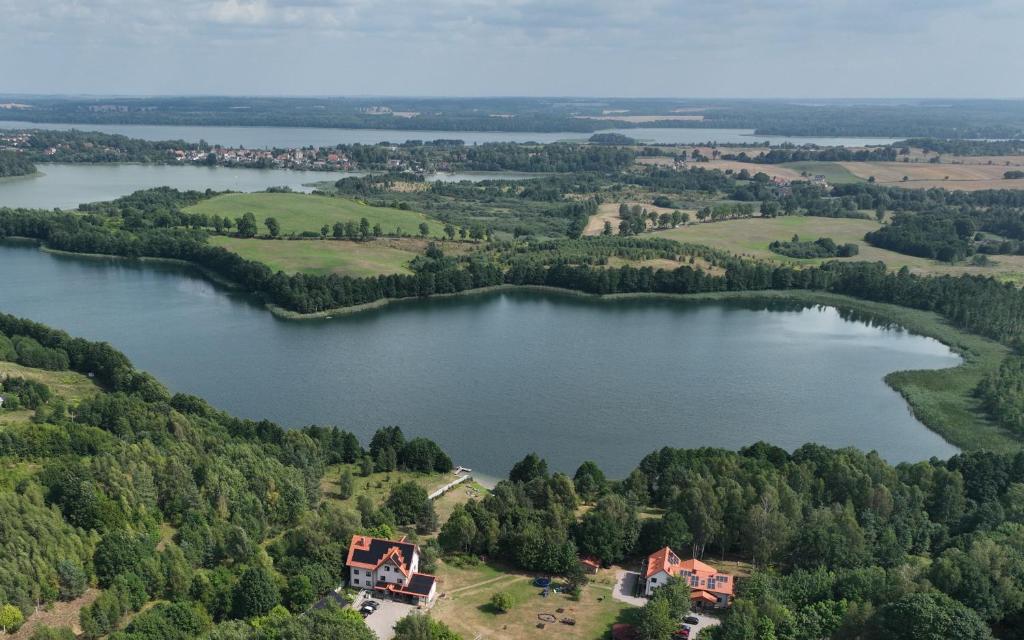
368 607
691 620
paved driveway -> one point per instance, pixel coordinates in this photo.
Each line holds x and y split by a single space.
705 622
382 621
625 587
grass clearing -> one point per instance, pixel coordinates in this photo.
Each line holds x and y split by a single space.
751 237
321 257
377 485
69 385
467 609
298 212
834 172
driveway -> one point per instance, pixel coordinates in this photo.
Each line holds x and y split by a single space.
382 621
625 587
705 622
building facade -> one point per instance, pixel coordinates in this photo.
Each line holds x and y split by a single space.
390 568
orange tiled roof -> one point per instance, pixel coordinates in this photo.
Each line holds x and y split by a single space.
366 552
699 575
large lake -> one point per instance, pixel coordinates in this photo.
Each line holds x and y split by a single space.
281 137
492 377
68 185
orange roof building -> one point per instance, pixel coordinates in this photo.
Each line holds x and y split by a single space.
389 567
708 586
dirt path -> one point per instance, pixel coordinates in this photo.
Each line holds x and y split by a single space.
61 614
481 584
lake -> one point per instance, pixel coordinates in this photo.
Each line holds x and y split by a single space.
283 137
492 377
68 185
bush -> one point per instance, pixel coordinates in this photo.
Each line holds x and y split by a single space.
503 601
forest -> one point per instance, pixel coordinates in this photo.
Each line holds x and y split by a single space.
13 164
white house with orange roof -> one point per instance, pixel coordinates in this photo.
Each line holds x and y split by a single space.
709 588
391 568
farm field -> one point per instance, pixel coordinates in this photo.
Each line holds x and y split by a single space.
298 212
321 257
751 237
466 606
922 175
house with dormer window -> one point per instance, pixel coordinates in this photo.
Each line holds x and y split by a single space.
709 588
390 568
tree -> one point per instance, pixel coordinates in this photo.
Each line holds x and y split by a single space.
589 481
10 618
503 601
926 616
655 620
607 230
449 230
325 230
364 228
71 579
338 230
458 532
246 225
406 500
424 229
256 593
117 552
273 228
422 627
378 231
300 593
426 518
346 484
530 467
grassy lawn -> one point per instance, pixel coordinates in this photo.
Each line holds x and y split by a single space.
467 609
321 257
377 485
298 212
751 237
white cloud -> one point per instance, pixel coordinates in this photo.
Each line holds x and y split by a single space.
642 47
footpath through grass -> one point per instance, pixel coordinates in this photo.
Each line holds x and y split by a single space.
298 212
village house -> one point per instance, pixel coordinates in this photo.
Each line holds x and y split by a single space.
390 568
709 588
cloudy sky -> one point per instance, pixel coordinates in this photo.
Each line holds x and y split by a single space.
696 48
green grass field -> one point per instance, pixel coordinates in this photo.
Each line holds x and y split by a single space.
751 237
833 171
320 257
298 212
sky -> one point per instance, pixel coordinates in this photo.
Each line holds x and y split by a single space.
622 48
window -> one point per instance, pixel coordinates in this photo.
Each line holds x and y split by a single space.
653 580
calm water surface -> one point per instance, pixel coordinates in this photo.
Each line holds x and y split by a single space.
267 137
68 185
493 377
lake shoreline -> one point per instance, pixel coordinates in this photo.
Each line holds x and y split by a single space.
942 400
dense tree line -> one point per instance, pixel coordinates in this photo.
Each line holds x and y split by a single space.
1002 393
966 147
826 154
46 145
820 248
13 163
940 235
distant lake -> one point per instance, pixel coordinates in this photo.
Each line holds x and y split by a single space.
267 137
66 186
492 377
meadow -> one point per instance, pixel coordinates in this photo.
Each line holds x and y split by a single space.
299 212
320 257
751 236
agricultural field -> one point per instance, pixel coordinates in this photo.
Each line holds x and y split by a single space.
298 212
751 237
320 257
926 175
466 606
